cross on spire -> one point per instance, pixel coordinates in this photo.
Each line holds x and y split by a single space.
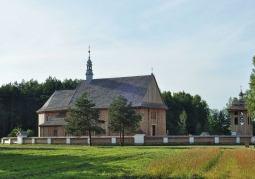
89 51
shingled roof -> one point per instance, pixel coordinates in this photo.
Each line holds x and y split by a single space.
103 91
58 101
239 104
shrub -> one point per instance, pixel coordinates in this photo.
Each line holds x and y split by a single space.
14 132
30 133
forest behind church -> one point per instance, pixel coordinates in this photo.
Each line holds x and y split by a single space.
186 114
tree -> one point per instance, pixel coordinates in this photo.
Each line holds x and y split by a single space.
123 118
182 123
250 94
196 109
199 129
231 101
14 132
84 119
19 101
219 122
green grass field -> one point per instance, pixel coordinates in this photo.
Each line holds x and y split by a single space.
77 161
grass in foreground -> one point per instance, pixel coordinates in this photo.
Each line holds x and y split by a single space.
76 161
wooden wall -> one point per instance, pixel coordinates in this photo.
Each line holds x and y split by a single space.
246 128
153 94
48 131
146 123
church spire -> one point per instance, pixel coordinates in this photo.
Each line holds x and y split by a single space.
89 73
241 94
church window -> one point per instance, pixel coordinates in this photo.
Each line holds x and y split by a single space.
235 112
153 130
55 132
241 113
241 121
236 121
153 115
48 118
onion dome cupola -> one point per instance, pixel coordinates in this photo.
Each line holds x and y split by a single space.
241 95
89 72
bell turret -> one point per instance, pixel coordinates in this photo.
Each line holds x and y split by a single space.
89 72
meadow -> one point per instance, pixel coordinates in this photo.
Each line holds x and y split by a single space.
77 161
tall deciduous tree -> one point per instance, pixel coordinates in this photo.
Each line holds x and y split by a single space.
182 123
196 109
250 94
219 122
84 119
123 118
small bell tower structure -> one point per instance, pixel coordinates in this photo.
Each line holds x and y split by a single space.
89 72
241 123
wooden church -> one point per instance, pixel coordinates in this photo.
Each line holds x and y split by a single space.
142 91
241 123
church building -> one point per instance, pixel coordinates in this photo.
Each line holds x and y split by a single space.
142 91
241 123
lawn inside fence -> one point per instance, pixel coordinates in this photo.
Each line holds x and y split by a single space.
78 161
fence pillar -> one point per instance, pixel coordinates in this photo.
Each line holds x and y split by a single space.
2 141
68 141
10 141
165 140
20 136
49 141
88 140
252 140
139 138
216 140
191 140
238 140
33 140
113 140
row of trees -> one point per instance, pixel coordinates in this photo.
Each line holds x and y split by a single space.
186 114
189 114
20 101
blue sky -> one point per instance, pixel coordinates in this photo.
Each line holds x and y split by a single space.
197 46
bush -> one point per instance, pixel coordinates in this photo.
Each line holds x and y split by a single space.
14 132
30 133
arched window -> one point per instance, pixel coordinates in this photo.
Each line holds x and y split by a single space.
236 121
241 121
241 113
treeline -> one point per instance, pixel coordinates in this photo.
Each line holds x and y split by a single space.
20 101
189 114
186 114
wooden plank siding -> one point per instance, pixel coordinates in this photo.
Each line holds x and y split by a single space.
153 94
146 124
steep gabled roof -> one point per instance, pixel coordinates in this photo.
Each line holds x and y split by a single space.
59 100
103 91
